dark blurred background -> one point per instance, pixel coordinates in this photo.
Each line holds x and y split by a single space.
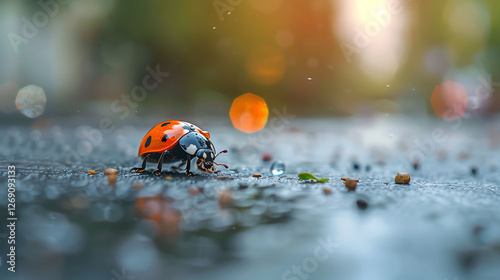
317 57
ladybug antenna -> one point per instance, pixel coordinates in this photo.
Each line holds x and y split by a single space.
221 152
227 167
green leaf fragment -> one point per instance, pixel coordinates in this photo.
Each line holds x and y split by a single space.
309 176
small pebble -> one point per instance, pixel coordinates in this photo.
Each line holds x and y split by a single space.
226 199
351 184
402 178
367 168
256 175
361 204
473 170
355 166
138 186
169 178
267 157
416 164
92 172
110 171
327 191
242 187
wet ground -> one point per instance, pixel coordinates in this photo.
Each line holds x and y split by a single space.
73 225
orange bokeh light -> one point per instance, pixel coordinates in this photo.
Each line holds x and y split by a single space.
266 65
249 113
449 100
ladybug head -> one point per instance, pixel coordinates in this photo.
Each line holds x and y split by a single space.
206 159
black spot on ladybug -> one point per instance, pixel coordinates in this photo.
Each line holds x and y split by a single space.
165 124
188 127
164 139
148 142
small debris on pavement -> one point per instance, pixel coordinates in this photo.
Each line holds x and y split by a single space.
416 164
402 178
361 204
473 170
351 184
267 157
110 171
355 166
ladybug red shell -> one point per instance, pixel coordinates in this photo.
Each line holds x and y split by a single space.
172 141
165 135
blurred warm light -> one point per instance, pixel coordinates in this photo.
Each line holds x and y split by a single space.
379 62
266 65
476 79
266 6
312 62
468 21
373 31
449 100
284 38
92 9
249 113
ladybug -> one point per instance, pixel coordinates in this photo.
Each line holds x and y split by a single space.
172 141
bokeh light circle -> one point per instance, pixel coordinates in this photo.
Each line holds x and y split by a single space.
31 101
249 113
449 100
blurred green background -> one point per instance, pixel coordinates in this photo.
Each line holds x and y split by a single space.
317 57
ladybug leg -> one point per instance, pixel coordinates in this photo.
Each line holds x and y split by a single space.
188 166
143 166
179 166
157 172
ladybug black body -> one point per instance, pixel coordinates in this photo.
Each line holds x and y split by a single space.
174 141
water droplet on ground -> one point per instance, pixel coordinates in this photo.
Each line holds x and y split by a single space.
278 168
